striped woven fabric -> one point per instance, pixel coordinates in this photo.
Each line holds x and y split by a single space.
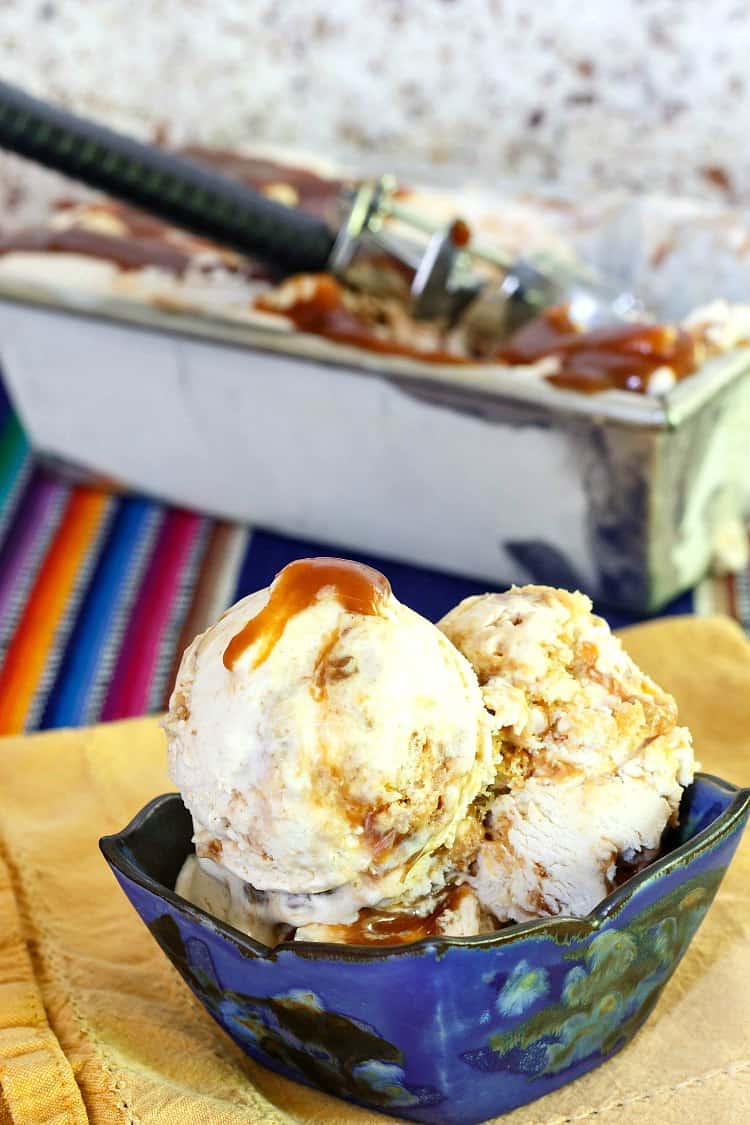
100 593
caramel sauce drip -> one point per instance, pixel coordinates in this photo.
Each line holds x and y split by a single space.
373 926
325 314
144 241
325 670
622 356
123 252
460 233
357 588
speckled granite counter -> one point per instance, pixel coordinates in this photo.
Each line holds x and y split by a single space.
641 92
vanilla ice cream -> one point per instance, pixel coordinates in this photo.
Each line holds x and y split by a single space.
591 762
329 744
356 775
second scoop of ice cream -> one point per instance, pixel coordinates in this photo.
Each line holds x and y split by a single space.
327 741
591 762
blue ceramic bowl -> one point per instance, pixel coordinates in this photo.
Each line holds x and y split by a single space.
444 1030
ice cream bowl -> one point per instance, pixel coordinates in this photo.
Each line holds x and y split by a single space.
443 1030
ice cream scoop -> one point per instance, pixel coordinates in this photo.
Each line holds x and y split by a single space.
329 743
591 762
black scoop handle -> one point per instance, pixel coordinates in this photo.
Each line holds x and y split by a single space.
177 190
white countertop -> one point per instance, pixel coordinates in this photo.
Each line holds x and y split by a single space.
581 92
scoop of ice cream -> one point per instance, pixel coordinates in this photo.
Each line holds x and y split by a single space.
591 762
328 741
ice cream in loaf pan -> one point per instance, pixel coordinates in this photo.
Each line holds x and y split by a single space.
102 247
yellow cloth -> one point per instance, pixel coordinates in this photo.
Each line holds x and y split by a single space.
95 1025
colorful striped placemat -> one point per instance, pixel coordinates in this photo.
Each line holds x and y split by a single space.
100 593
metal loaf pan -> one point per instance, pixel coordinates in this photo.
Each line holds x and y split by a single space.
476 470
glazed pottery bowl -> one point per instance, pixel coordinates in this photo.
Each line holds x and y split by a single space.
444 1030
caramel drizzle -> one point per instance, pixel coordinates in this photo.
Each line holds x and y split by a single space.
324 313
374 926
122 252
618 356
322 670
357 588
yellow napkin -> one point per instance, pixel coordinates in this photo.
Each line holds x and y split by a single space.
95 1025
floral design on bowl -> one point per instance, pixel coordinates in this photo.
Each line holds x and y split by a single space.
445 1030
